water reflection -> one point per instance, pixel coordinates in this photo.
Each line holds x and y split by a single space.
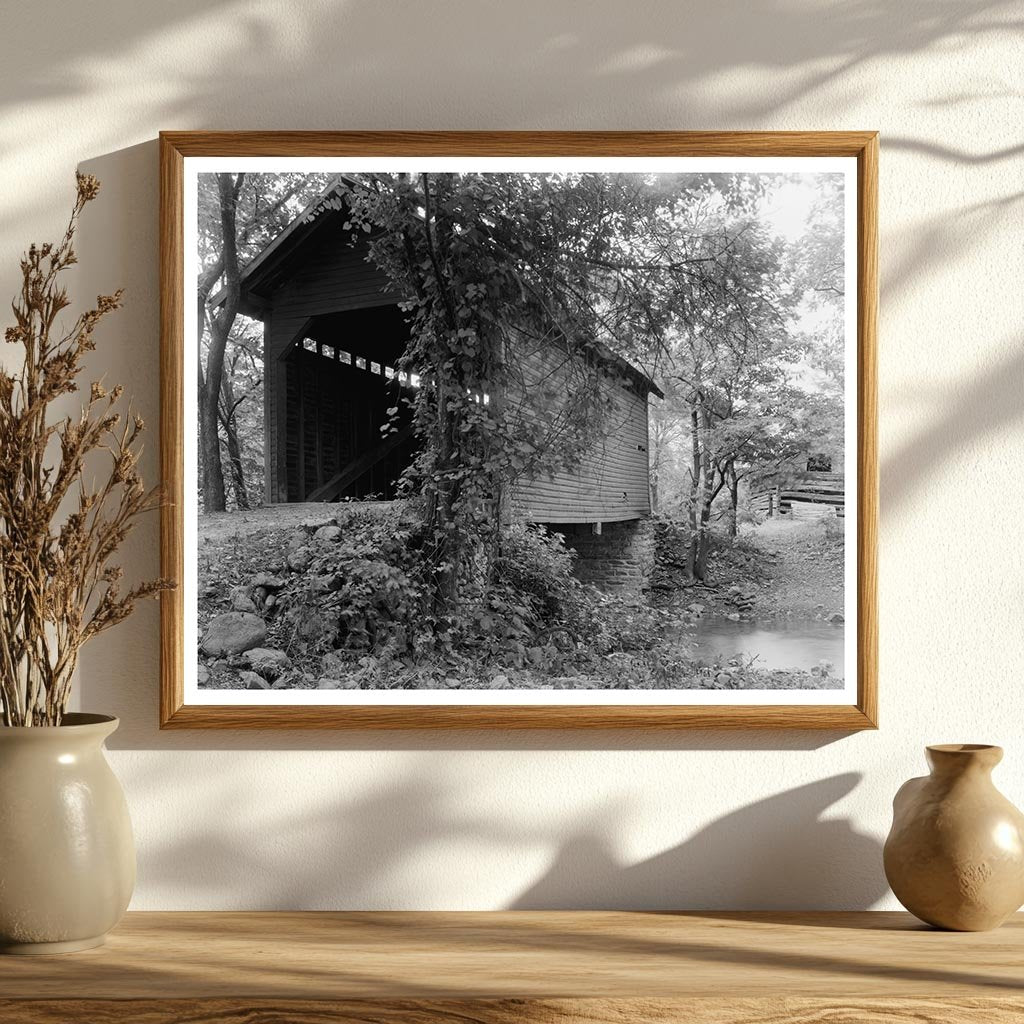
781 645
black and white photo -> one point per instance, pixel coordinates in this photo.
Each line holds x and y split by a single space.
521 431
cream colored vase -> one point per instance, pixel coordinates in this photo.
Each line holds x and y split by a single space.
67 859
955 855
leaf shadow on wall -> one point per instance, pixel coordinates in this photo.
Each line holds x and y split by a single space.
341 50
365 64
780 852
390 847
979 407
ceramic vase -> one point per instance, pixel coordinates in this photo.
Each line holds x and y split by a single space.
955 854
67 859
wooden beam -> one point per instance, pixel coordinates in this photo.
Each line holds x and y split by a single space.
358 467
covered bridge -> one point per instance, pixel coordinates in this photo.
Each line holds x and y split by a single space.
334 336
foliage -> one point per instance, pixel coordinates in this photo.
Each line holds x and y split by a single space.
58 585
358 594
500 265
360 608
238 215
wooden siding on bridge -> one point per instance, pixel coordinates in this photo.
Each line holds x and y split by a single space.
329 275
611 481
326 275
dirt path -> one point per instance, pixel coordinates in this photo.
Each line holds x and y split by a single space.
217 527
802 566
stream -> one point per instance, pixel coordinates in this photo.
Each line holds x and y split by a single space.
780 645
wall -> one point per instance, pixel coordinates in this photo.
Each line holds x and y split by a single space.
564 819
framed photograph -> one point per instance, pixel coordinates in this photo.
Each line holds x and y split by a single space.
519 430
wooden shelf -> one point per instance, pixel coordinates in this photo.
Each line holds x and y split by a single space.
501 968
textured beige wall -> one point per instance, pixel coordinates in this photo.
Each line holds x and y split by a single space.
497 820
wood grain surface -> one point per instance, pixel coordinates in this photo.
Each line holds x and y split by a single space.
524 966
514 1011
175 147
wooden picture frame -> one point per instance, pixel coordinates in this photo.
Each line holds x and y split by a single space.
177 147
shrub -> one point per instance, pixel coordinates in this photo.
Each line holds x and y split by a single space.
358 592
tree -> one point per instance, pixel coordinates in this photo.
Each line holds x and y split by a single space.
729 353
219 326
238 215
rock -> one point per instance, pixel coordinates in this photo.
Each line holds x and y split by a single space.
299 559
327 533
836 619
723 679
337 684
499 682
296 540
270 602
268 662
290 680
334 665
241 601
252 681
733 616
267 581
233 633
202 675
451 683
695 608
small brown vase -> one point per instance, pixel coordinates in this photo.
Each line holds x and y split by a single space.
955 854
67 860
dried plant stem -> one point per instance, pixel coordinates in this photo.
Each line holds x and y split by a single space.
58 585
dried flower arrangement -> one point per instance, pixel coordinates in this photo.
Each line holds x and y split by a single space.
58 587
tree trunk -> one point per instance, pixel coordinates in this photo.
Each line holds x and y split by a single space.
229 422
734 497
220 327
691 555
701 541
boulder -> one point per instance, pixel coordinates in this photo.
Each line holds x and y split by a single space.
233 633
202 675
836 619
241 600
267 580
299 559
296 540
268 662
252 681
330 532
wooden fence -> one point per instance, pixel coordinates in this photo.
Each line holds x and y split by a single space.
815 489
